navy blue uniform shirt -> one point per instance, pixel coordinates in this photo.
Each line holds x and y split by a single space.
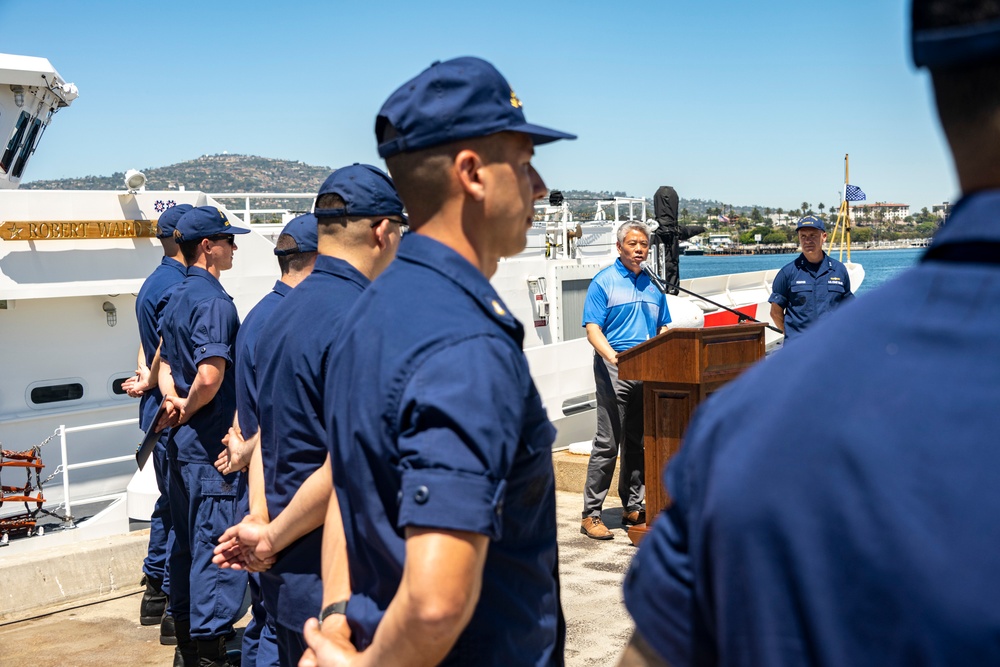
246 365
807 292
852 518
293 434
158 285
435 422
199 321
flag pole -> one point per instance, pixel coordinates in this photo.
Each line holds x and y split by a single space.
847 220
840 217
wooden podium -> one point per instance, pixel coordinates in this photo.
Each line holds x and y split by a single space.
679 369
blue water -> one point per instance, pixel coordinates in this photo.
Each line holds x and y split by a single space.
880 265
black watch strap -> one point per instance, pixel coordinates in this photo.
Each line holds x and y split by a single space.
331 609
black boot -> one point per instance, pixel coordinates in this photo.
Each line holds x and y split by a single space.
154 601
186 653
168 635
212 653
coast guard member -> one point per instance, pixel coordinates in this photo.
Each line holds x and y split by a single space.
871 539
811 286
198 327
623 308
296 252
360 218
164 279
439 444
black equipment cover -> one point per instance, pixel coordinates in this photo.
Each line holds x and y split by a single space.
670 234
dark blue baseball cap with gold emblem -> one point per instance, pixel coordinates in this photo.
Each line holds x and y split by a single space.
167 222
205 221
810 221
457 99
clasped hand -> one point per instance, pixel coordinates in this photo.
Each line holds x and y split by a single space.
245 546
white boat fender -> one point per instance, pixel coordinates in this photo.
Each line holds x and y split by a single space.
684 313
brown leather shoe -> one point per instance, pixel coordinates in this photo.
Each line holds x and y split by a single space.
633 518
595 529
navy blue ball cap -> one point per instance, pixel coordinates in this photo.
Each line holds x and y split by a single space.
956 45
810 221
457 99
303 230
205 221
367 191
167 222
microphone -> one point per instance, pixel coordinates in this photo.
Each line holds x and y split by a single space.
648 270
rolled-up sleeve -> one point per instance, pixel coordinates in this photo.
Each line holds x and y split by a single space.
460 422
214 333
779 290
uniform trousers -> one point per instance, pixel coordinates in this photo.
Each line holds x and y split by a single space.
161 527
291 645
203 504
619 425
260 647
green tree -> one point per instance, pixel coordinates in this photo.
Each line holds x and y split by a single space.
805 208
747 237
861 235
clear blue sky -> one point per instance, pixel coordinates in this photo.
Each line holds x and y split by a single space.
744 102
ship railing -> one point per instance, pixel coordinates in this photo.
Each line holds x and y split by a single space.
65 466
249 211
568 237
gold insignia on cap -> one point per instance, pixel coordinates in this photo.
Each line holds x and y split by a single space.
514 102
498 308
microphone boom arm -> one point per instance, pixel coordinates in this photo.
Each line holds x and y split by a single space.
662 286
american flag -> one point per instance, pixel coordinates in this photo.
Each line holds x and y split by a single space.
723 219
854 193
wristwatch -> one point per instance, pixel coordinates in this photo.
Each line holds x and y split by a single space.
331 609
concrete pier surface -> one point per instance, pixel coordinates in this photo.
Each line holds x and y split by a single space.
106 631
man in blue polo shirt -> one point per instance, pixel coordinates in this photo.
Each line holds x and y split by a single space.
439 444
166 276
623 309
808 288
296 253
198 327
870 538
360 219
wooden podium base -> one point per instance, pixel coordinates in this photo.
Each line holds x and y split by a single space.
679 369
637 532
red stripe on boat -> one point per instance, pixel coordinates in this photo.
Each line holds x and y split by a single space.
724 317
